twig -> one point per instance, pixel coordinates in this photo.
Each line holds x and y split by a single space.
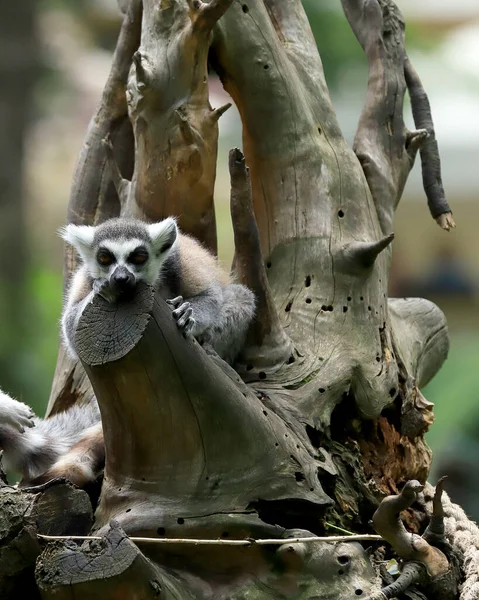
430 161
245 542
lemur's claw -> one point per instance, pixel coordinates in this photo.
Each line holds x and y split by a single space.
183 315
175 302
188 328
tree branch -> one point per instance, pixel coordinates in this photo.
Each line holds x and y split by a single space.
430 160
176 130
93 197
380 141
205 15
268 346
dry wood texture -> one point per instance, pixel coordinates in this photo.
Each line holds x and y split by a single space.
327 415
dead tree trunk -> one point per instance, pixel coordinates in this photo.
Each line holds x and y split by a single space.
323 416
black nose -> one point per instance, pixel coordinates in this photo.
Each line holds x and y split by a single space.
122 280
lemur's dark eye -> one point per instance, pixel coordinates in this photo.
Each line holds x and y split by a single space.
138 257
105 258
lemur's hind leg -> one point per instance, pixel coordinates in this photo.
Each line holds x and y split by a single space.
81 465
228 334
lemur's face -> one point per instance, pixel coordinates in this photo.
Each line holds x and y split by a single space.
123 251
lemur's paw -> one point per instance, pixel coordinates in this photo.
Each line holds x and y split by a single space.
15 414
183 314
103 289
175 302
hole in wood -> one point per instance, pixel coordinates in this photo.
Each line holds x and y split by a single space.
340 214
369 308
291 360
180 521
308 300
128 510
276 444
268 265
343 559
320 130
345 309
265 413
378 359
299 476
249 367
245 9
330 308
349 298
392 392
321 390
358 592
340 572
307 281
266 67
161 531
361 298
262 375
225 534
288 306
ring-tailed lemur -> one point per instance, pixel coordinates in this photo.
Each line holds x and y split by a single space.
116 256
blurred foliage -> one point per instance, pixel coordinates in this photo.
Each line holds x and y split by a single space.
455 392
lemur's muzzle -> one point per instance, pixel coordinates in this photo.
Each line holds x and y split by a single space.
122 281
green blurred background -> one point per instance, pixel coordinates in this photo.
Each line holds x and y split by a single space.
54 58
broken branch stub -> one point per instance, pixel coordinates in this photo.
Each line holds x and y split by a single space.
169 416
267 347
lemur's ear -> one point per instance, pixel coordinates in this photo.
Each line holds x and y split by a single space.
163 235
78 236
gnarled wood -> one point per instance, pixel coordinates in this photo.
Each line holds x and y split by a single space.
55 509
331 417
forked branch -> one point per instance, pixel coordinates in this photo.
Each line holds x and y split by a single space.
206 14
383 145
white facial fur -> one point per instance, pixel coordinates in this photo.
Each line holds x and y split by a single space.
161 234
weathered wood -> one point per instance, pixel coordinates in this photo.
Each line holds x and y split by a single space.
70 572
332 416
56 509
169 415
176 130
268 346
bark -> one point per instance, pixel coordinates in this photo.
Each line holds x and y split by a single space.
55 509
323 414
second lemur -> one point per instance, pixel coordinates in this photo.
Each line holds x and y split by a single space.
120 253
116 256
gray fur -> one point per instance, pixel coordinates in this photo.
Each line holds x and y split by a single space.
32 451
